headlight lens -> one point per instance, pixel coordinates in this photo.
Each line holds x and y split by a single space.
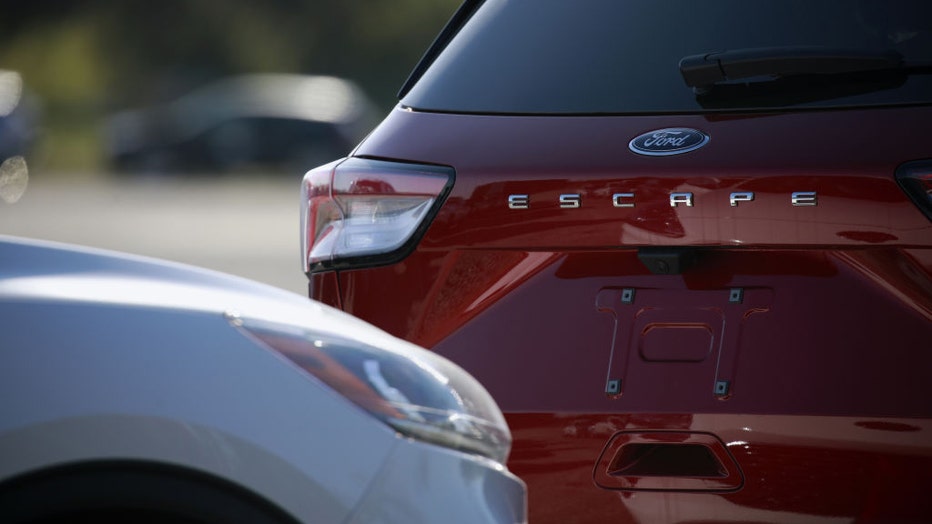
416 392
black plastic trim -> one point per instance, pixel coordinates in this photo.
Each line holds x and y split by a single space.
667 260
457 21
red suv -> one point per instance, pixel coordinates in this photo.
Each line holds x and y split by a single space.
686 246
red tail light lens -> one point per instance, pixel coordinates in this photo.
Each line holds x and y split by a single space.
367 212
916 179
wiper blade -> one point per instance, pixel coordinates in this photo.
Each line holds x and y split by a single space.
701 72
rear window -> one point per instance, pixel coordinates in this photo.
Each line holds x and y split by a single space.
623 56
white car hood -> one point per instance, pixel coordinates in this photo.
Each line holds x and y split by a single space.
32 270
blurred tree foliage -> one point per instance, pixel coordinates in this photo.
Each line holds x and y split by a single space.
84 59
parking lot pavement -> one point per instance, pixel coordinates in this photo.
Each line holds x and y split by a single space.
247 226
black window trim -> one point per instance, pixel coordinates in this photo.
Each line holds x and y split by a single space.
459 19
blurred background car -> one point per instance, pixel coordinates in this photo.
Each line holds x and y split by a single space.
89 60
134 390
280 122
19 117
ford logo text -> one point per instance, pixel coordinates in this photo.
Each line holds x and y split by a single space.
669 141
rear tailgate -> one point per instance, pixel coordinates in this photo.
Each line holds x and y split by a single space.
762 307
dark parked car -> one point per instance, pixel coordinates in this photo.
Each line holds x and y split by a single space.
686 246
281 122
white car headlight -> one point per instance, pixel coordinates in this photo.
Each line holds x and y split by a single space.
419 394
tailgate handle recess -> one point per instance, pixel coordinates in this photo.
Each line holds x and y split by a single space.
667 461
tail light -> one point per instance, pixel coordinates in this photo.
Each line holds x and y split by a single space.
359 211
916 179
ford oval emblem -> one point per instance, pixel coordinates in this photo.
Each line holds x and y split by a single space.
670 141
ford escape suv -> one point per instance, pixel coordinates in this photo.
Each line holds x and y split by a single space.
686 246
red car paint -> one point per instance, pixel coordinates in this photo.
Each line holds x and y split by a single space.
783 375
827 355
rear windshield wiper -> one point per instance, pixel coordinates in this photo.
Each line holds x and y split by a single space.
703 72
